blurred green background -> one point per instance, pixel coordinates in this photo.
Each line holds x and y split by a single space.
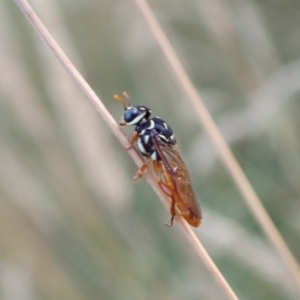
73 224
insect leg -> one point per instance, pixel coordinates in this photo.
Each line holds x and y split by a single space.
134 138
142 169
171 189
166 185
163 181
172 212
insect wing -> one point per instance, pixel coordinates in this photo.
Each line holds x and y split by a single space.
186 200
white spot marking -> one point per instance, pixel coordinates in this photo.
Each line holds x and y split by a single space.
151 124
146 138
165 125
163 137
140 146
153 155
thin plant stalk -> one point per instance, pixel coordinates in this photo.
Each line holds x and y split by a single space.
234 169
98 105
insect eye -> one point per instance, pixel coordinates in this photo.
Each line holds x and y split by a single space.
130 115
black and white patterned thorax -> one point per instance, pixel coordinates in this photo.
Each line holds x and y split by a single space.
153 128
147 129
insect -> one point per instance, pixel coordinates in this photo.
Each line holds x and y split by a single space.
155 140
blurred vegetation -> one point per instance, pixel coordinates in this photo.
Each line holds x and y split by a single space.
73 224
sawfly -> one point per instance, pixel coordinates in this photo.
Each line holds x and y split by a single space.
155 140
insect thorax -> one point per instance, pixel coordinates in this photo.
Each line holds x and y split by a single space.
150 128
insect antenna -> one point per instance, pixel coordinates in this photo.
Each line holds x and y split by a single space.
121 99
125 94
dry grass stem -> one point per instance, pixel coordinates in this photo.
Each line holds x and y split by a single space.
98 105
225 153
